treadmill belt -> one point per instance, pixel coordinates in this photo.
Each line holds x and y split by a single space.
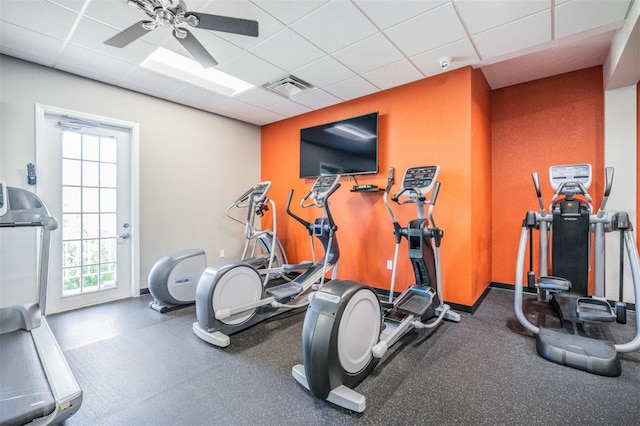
24 390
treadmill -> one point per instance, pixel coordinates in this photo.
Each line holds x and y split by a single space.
36 383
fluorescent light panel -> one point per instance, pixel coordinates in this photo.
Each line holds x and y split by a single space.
169 63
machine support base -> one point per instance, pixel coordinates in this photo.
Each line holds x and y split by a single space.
342 395
215 338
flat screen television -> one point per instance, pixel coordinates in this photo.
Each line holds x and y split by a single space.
346 147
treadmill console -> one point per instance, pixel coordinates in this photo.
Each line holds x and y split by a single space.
324 185
260 193
570 175
420 179
4 200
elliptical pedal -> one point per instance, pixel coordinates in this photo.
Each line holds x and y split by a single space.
417 302
594 310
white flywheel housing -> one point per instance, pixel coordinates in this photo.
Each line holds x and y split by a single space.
238 286
358 331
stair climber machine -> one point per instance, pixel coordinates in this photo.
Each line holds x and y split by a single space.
174 277
232 296
571 223
344 334
36 383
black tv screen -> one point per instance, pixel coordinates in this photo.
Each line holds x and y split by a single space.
344 147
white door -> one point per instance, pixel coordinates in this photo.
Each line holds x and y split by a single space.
84 175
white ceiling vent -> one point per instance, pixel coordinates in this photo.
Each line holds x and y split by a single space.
288 86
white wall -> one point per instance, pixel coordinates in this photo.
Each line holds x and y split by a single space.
192 163
620 147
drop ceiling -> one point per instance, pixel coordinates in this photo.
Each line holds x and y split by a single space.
345 49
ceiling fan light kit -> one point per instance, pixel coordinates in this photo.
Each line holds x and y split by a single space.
173 14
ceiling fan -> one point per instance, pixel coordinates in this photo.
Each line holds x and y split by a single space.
172 14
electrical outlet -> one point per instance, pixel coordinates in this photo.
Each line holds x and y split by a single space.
221 252
389 264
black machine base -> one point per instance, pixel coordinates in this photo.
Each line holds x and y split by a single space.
584 353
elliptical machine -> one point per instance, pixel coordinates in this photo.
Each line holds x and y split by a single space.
231 296
173 278
572 223
344 334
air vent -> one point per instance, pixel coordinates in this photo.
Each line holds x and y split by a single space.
288 86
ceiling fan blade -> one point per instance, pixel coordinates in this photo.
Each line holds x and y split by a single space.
196 49
225 24
128 35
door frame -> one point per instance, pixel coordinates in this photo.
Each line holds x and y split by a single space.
41 110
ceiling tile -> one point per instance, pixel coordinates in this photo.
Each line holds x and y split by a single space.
289 108
334 26
287 11
117 14
323 72
190 93
98 64
243 109
515 36
92 34
579 16
28 44
39 16
394 75
260 97
426 32
316 99
158 83
252 69
461 52
385 14
369 54
355 87
287 50
481 15
74 5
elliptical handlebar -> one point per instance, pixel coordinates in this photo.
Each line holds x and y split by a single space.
608 183
293 215
536 184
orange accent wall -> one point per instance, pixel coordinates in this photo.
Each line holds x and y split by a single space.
441 120
556 120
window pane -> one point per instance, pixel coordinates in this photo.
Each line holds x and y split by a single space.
108 150
71 281
71 172
71 145
108 275
91 147
70 199
90 278
71 226
108 175
108 200
90 176
108 226
108 250
71 253
90 200
90 226
90 253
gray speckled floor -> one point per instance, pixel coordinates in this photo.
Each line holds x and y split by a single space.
139 367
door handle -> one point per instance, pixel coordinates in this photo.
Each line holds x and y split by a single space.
124 236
